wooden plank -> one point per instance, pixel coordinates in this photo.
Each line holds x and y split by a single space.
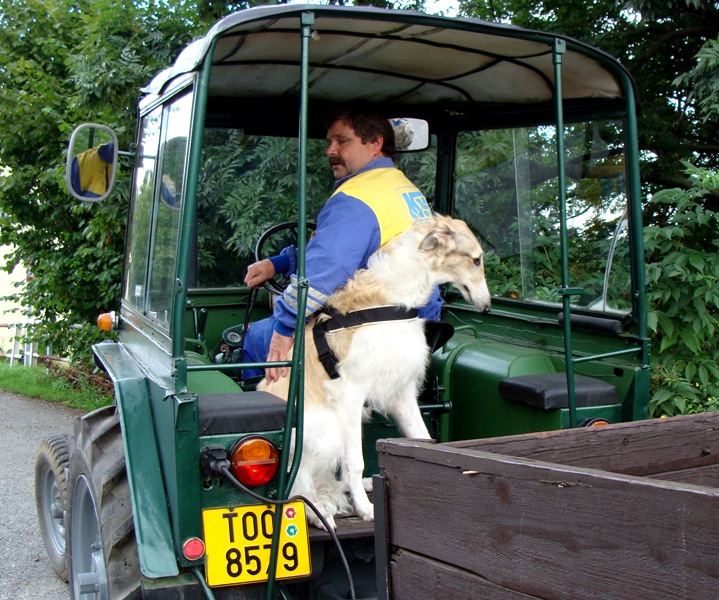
638 448
549 530
415 576
703 476
347 527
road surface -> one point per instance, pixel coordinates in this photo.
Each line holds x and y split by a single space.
26 573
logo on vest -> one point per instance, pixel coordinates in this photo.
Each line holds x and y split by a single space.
417 205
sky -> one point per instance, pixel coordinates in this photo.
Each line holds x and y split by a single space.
446 7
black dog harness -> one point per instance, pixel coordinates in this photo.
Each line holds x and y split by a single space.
352 319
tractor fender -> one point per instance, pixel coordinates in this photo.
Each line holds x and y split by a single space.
149 501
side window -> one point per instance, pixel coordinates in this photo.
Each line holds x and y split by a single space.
156 206
168 206
506 188
135 286
248 183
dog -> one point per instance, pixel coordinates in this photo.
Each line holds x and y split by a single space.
380 366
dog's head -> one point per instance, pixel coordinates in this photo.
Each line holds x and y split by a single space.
455 256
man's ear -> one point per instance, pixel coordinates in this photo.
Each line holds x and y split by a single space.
377 145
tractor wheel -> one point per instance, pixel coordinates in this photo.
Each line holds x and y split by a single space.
102 549
51 464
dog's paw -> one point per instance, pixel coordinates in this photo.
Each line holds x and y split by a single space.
314 520
367 484
365 512
367 516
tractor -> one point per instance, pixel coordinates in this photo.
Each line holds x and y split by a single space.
180 488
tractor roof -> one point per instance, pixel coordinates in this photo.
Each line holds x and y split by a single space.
393 57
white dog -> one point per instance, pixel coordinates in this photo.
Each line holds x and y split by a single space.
381 365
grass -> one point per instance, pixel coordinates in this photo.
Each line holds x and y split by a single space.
70 387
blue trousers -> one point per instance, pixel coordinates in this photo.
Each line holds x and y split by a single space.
257 345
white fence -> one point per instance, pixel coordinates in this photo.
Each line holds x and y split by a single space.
24 353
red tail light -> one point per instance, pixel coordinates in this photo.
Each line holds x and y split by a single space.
254 461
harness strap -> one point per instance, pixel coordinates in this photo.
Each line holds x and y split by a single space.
356 318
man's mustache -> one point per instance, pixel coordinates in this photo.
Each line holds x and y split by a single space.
336 160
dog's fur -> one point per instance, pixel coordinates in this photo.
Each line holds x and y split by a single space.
381 365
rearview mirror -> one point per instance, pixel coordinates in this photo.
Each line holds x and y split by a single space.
91 162
410 134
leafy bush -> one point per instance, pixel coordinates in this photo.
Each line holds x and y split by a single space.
682 272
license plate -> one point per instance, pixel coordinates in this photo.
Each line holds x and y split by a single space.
238 543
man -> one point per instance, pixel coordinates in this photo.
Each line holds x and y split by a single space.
372 202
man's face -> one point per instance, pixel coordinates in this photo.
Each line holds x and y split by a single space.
346 152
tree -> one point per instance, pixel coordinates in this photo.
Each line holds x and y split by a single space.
63 62
682 271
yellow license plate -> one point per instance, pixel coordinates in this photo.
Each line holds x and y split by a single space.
238 543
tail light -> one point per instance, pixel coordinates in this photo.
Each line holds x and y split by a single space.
596 422
254 461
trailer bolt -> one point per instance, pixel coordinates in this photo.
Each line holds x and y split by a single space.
706 452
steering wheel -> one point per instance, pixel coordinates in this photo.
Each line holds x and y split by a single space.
272 241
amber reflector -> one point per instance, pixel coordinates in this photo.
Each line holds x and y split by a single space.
106 321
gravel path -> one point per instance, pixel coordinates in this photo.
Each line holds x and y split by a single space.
24 423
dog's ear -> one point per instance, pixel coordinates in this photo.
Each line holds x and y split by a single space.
440 240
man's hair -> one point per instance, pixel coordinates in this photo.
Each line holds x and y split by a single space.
367 121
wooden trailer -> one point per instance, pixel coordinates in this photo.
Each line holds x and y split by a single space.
626 511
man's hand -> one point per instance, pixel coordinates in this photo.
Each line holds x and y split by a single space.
280 346
259 272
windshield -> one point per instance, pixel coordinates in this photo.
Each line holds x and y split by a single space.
506 188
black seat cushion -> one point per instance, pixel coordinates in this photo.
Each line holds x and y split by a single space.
240 412
549 391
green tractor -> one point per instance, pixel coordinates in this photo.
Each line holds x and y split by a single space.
529 137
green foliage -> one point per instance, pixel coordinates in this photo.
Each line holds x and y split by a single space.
63 62
247 184
507 189
683 274
704 80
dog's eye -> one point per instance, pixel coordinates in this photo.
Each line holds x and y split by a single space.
478 262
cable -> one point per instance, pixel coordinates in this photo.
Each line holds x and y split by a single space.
225 470
201 580
223 466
